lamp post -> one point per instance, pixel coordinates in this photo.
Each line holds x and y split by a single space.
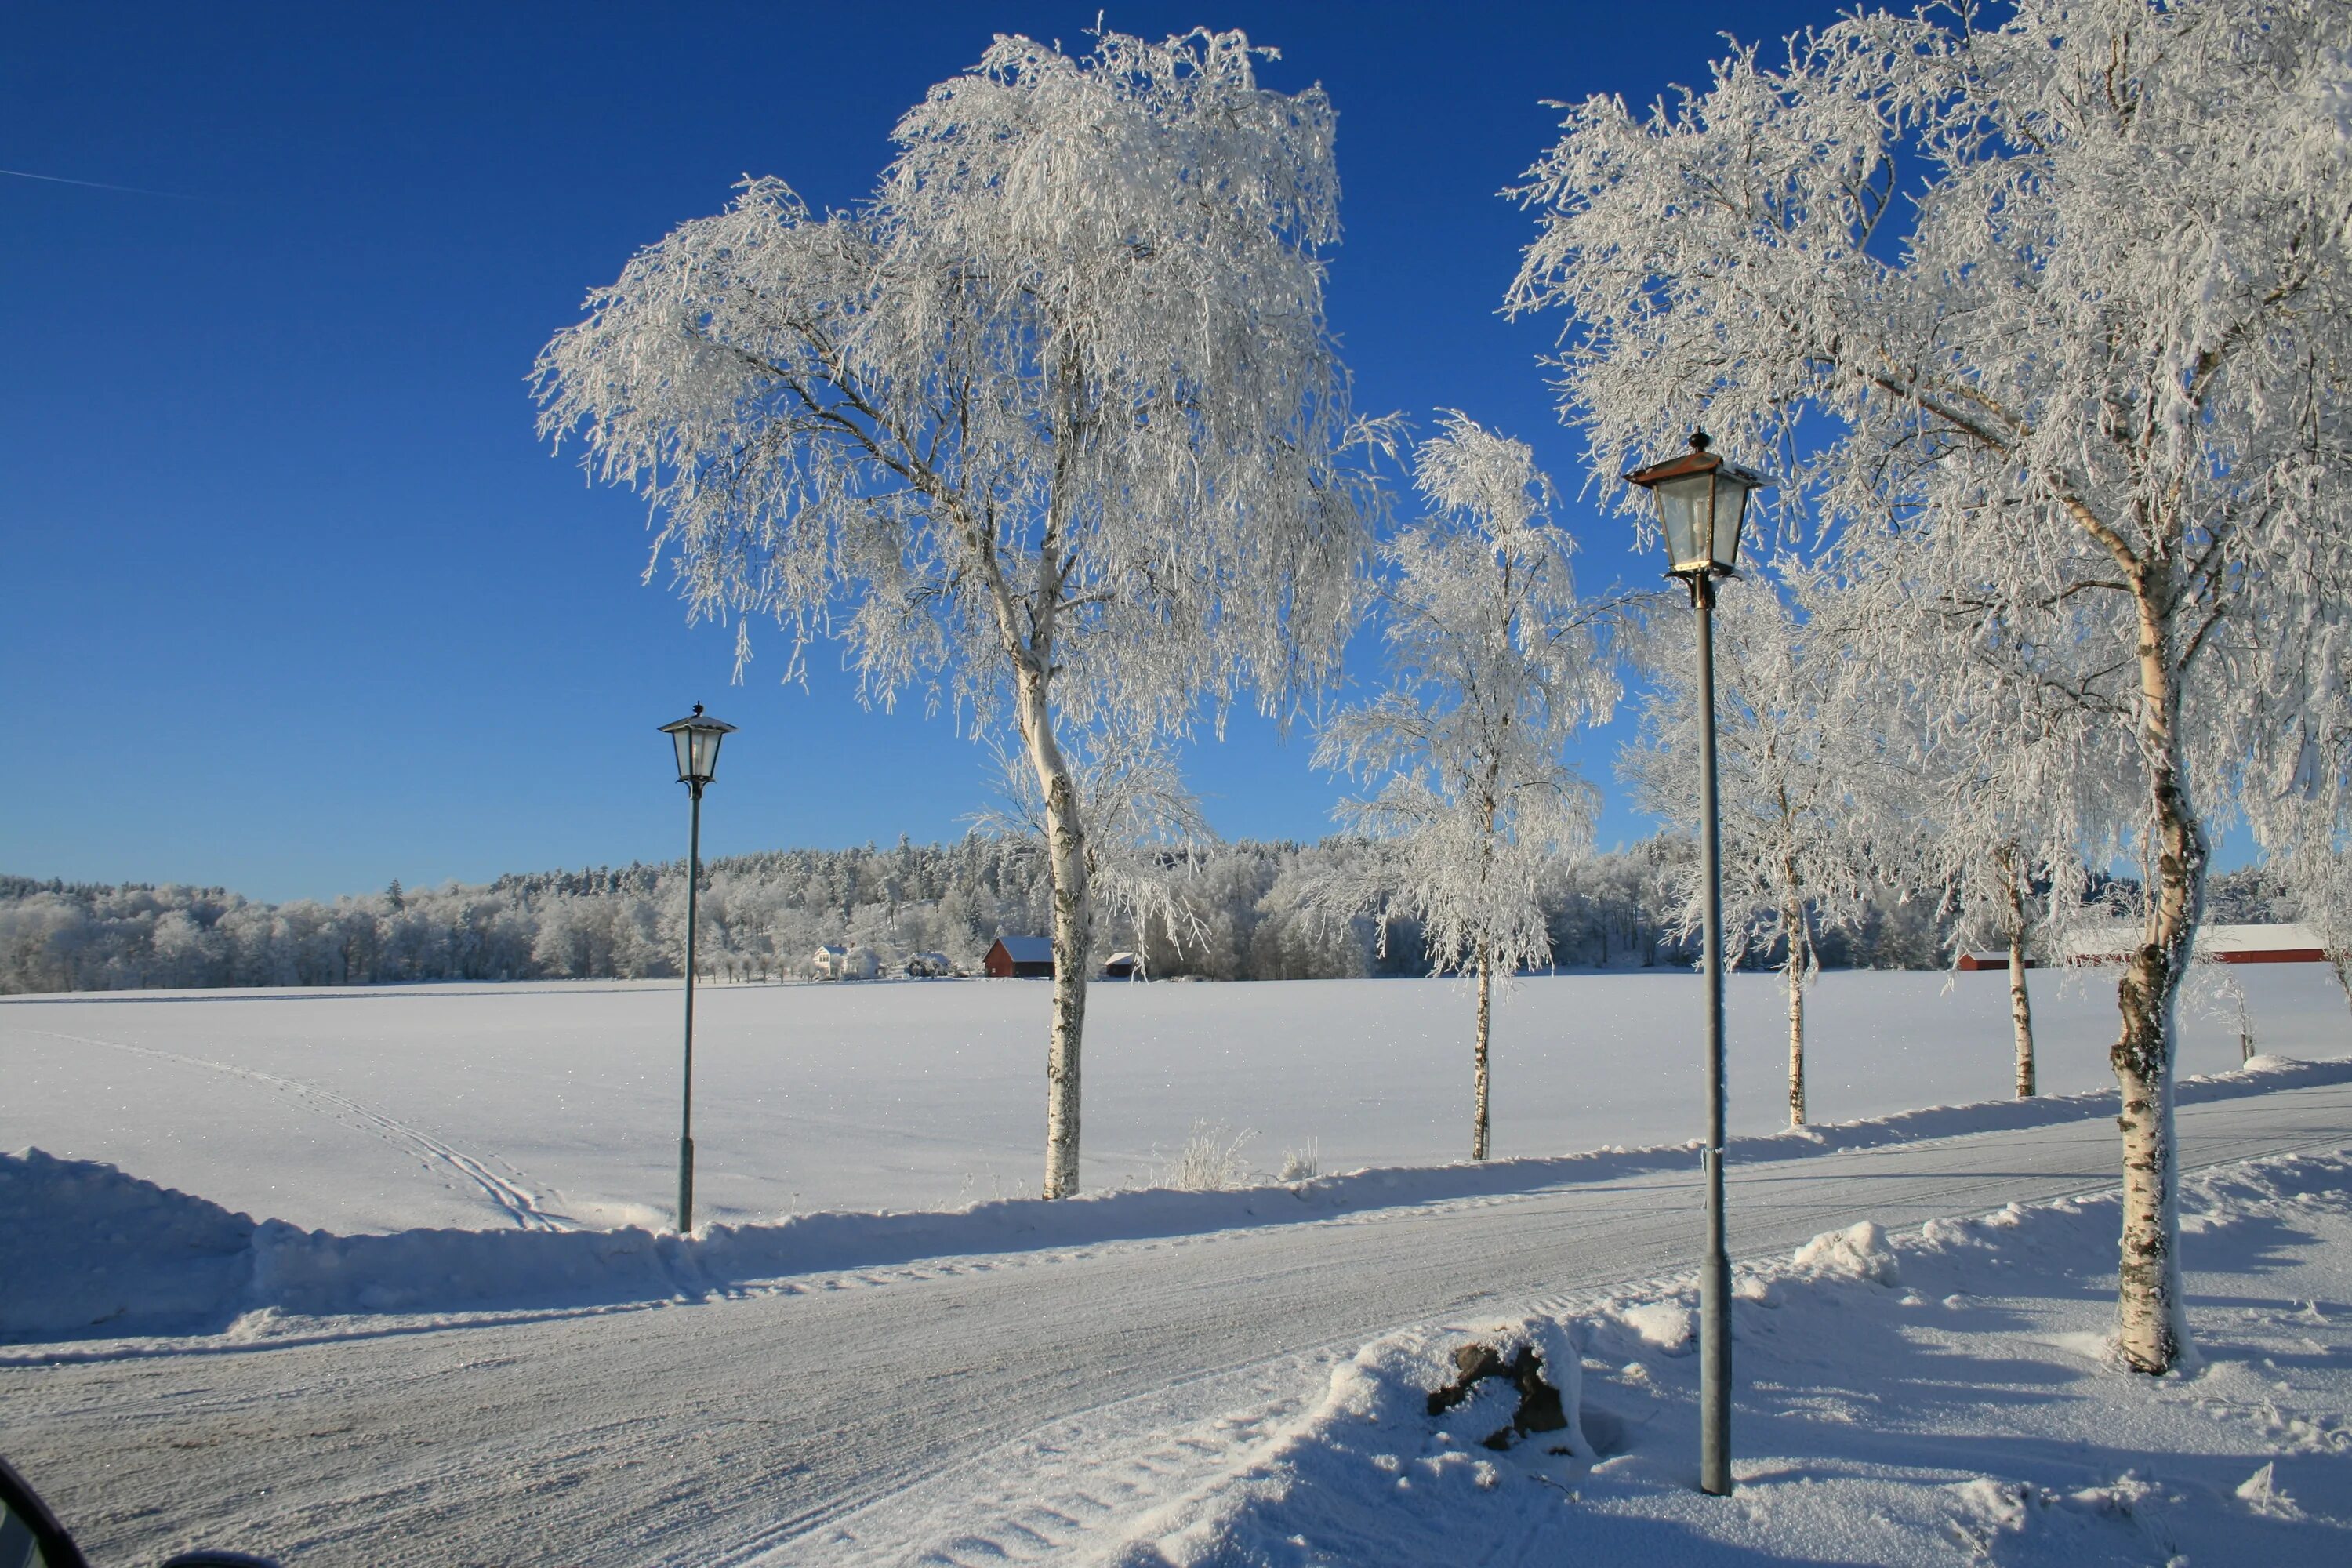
697 739
1702 500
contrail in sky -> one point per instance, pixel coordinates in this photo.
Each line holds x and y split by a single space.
96 185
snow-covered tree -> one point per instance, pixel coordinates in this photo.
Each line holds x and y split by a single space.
1788 758
1051 426
1985 793
2309 844
1144 833
1494 666
2093 399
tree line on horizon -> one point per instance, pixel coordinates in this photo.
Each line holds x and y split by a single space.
1250 914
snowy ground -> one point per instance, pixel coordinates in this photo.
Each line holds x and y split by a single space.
527 1106
1142 1376
1940 1396
1083 1402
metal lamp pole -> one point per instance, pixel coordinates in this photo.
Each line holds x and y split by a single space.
686 1115
697 738
1715 1268
1702 500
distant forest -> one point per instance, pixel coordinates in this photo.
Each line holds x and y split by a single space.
763 915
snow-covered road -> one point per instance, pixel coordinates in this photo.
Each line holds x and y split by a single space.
969 1408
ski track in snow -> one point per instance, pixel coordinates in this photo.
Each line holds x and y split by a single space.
518 1203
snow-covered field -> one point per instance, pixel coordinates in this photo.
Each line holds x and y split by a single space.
557 1105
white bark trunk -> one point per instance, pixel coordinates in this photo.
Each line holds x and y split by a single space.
2152 1326
1792 920
1065 848
2021 1006
1478 1070
2021 1016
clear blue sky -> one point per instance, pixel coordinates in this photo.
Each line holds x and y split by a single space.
293 602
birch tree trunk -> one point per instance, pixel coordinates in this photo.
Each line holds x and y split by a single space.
1478 1064
2020 1013
2021 1006
2152 1329
1065 848
1792 918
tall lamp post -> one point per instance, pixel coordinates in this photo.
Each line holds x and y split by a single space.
697 738
1701 500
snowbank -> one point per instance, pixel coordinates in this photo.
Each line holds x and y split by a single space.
86 1250
1940 1397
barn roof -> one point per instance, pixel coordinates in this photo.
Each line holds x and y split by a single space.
2109 944
1027 948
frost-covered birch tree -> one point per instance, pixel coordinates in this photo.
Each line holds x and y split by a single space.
1794 854
1493 667
2049 317
1987 790
1050 426
1145 834
2309 846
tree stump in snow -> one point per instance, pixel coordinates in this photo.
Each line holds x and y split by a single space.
1540 1408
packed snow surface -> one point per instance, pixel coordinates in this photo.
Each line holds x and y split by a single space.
1942 1397
556 1107
355 1280
1047 1397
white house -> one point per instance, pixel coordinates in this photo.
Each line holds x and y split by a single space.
835 962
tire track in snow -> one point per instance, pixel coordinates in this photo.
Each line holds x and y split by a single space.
516 1202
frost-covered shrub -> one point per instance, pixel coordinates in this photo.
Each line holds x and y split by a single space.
1302 1164
1211 1159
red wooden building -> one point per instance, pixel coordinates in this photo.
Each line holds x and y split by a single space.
2279 943
1020 957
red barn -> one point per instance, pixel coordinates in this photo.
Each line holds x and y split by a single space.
1020 957
2277 944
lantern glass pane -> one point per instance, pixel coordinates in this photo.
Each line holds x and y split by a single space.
706 753
1730 507
685 741
1683 505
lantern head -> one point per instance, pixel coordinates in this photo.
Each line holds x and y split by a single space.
697 737
1702 501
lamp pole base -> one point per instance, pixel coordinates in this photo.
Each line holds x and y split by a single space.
685 1186
1714 1376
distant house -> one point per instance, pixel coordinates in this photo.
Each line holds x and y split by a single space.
835 962
2280 944
1122 966
930 965
1020 957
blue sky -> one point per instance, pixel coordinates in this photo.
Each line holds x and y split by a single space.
293 600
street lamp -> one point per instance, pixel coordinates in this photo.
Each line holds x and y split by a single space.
697 738
1702 500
